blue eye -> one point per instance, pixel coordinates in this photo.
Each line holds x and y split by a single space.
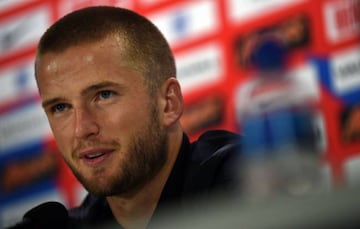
105 94
59 108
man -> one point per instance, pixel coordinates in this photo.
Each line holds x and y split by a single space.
106 77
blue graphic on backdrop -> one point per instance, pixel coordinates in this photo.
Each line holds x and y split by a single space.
21 79
322 64
180 23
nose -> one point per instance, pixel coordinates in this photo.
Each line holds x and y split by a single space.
85 124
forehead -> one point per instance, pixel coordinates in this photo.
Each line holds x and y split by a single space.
85 62
88 52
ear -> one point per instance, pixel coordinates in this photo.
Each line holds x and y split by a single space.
172 105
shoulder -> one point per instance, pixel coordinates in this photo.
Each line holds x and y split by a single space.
215 143
214 163
92 211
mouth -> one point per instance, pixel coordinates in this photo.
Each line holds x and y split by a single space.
95 157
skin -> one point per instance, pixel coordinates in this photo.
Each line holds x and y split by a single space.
98 106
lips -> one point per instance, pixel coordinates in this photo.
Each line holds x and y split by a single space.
95 157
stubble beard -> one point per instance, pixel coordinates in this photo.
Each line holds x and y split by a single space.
146 156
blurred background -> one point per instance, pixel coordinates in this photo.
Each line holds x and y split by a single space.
284 74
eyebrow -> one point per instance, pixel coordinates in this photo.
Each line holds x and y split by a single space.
98 86
84 92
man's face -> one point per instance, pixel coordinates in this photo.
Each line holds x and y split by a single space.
102 117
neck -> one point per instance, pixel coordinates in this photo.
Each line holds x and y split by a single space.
135 211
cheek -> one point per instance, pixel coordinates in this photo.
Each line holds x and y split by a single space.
62 134
123 119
